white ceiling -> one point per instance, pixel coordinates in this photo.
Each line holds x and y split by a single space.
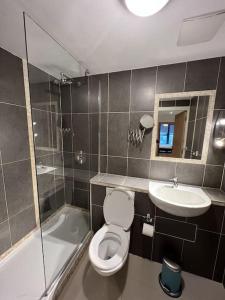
105 37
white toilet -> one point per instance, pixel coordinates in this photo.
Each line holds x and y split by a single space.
109 247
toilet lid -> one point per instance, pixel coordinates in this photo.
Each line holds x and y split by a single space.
118 208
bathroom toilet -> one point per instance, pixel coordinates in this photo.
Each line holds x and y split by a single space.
109 247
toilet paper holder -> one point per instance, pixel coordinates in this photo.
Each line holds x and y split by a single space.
147 218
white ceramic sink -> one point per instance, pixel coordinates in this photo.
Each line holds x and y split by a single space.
183 201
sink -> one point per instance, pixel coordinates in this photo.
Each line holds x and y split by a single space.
183 201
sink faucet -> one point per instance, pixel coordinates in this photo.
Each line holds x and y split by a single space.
175 181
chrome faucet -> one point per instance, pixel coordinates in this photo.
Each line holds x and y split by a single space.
175 182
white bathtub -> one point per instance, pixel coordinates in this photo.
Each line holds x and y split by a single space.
22 272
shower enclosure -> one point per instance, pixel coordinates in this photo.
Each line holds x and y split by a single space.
59 98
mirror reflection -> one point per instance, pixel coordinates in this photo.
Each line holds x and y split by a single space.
181 127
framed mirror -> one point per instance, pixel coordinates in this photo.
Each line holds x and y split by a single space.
182 126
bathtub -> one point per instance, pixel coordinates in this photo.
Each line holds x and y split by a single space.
22 275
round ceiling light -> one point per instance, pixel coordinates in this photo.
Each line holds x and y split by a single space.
145 8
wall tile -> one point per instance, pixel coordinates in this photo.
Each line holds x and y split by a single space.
95 120
22 223
119 91
55 94
117 165
5 242
143 205
220 262
81 198
202 74
138 168
190 173
94 90
162 170
215 156
11 79
15 134
213 175
166 246
143 89
211 220
98 194
79 91
80 133
199 257
143 150
3 209
162 213
176 229
117 134
140 244
97 217
19 191
103 164
39 88
66 99
170 78
220 94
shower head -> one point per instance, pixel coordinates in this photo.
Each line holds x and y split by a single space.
65 79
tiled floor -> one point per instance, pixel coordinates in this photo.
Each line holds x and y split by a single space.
138 280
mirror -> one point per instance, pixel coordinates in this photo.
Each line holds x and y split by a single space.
182 126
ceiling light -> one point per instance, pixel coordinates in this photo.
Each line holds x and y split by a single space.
145 8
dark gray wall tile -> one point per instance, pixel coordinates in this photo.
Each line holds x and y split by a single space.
94 164
98 194
190 173
96 82
166 246
162 170
80 133
67 136
117 165
140 244
79 91
220 262
81 198
11 79
117 134
66 98
55 93
199 257
211 220
39 81
138 167
22 223
5 242
213 176
143 150
119 91
170 78
220 93
176 229
103 164
97 217
202 74
164 214
96 121
15 134
143 89
3 209
143 205
19 191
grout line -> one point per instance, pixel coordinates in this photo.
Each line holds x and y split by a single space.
182 250
107 133
15 161
12 104
175 237
221 184
218 75
128 143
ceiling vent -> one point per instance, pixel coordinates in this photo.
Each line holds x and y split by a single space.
200 29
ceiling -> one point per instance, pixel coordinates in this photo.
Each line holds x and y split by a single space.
104 37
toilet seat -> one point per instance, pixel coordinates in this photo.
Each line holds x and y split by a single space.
121 252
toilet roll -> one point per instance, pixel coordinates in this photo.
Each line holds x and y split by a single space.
148 229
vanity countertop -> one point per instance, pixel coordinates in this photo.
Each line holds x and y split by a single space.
142 185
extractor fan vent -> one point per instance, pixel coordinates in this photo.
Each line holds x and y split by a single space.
200 29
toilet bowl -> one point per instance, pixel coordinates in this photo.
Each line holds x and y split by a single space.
109 247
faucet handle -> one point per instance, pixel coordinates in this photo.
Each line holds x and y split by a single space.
175 181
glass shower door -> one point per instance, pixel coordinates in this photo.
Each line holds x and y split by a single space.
58 90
